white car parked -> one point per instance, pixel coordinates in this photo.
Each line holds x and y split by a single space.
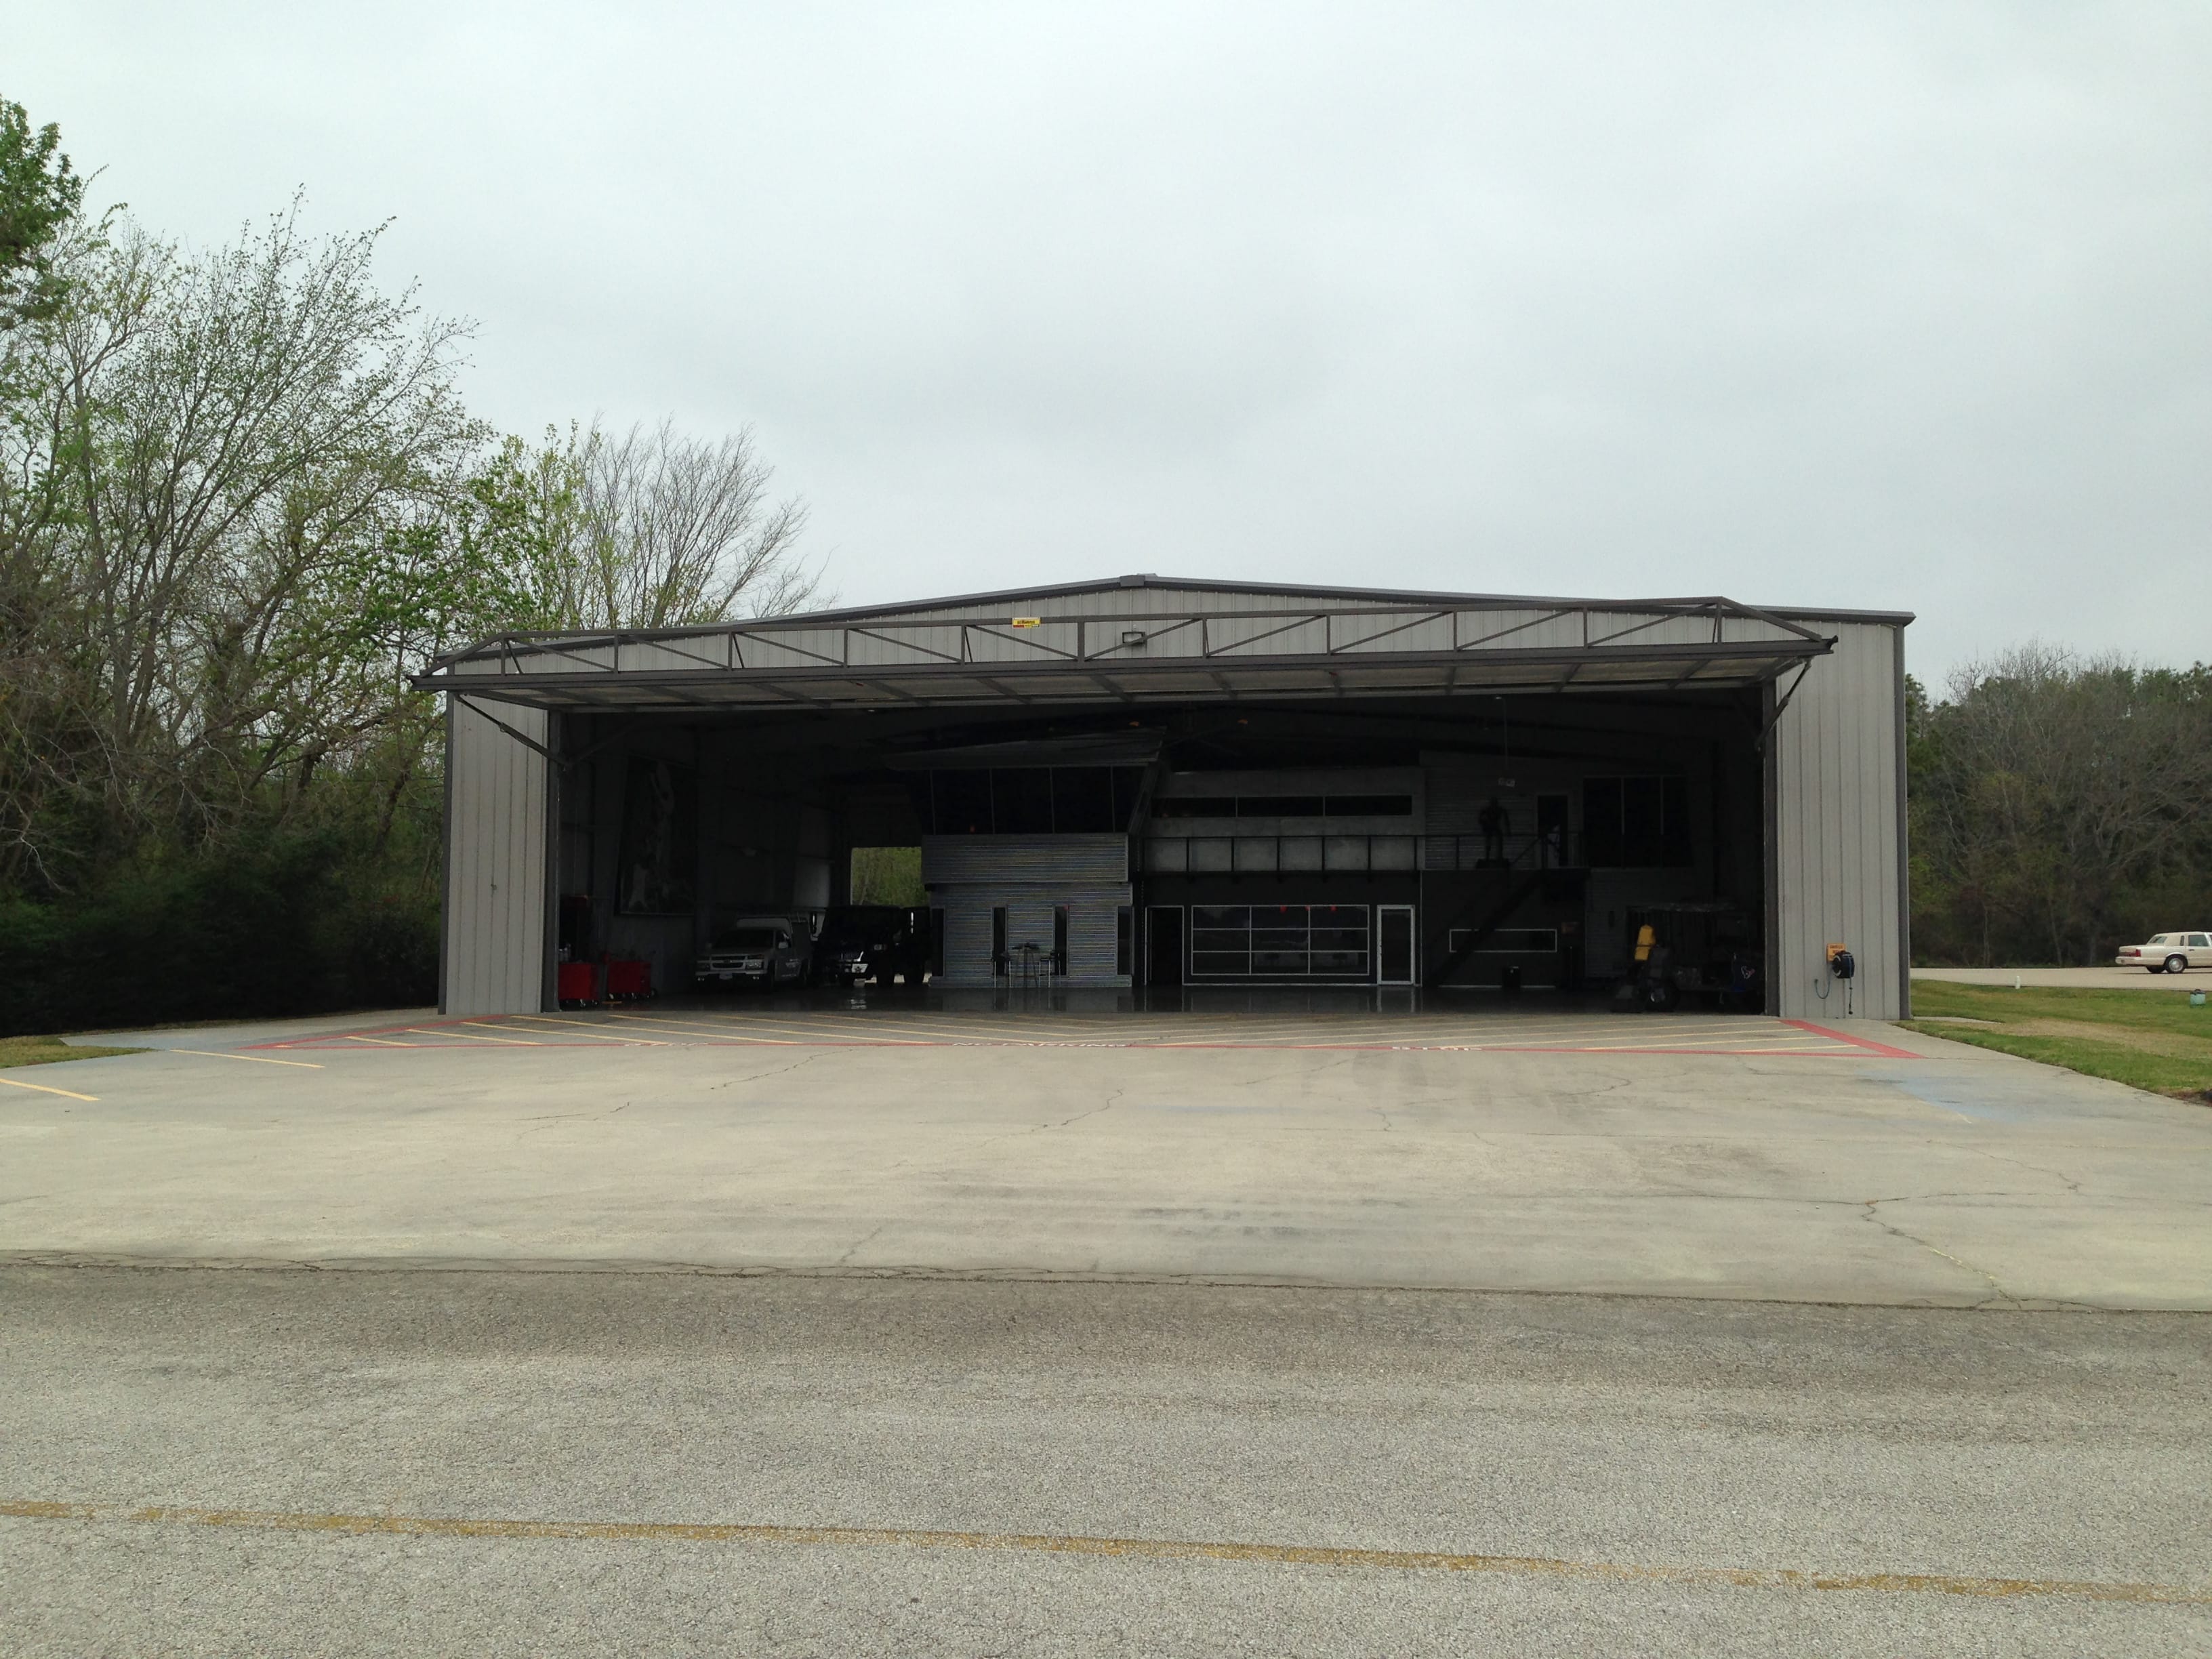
763 950
2168 953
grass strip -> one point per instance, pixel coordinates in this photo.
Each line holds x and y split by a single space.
45 1050
2143 1011
2150 1040
2159 1074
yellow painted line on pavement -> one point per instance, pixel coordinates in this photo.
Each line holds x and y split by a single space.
1032 1026
69 1093
385 1043
745 1029
703 1026
473 1036
571 1028
742 1033
1781 1578
848 1028
259 1059
706 1021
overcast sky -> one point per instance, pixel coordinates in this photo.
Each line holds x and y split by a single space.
1894 307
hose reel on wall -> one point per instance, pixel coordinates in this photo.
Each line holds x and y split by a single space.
1842 969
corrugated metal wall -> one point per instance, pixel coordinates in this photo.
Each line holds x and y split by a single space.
1026 860
1092 934
967 876
495 881
1838 852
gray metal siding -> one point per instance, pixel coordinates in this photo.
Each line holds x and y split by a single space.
968 876
1839 856
1026 860
1093 934
496 838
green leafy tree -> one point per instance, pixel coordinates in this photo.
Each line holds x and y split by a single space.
38 195
240 502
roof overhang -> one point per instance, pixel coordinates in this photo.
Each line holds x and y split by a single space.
1301 653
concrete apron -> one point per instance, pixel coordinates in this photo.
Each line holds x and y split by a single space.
1950 1176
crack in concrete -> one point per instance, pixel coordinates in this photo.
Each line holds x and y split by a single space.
72 1261
1104 1105
1018 1134
1915 1198
2060 1175
1292 1069
772 1071
1074 1117
2003 1296
858 1243
567 1117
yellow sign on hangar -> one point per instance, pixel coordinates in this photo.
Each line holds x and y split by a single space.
1029 621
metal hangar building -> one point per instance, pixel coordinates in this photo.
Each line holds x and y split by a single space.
1157 783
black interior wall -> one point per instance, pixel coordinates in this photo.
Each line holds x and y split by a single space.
757 773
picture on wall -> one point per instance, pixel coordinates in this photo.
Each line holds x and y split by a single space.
660 837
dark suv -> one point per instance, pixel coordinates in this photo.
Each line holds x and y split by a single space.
861 942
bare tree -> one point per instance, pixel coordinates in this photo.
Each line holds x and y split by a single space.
652 529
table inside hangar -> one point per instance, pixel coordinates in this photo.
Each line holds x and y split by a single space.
1148 782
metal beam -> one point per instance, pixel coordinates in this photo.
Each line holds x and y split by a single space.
1626 670
1398 612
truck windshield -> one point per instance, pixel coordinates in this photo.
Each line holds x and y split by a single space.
746 939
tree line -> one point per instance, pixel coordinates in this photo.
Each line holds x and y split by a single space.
2061 806
241 499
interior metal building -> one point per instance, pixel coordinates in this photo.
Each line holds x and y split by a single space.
1151 783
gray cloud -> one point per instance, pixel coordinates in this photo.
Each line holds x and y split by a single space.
1892 306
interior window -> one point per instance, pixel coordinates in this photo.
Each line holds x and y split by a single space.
1637 823
1280 941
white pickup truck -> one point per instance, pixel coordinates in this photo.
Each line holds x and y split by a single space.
763 950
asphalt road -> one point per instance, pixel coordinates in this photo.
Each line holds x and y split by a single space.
1016 1464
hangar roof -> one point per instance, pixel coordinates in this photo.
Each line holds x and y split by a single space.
1147 639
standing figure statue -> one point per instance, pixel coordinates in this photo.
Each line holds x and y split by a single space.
1492 821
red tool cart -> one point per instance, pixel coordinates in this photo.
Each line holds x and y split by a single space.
629 980
577 984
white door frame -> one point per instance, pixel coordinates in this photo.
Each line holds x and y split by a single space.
1413 944
1182 931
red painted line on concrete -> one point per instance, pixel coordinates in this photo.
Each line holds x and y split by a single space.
1686 1054
1251 1048
1870 1046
